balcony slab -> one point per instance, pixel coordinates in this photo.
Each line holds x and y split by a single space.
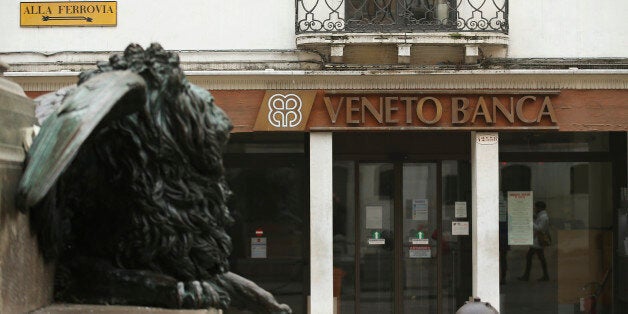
436 38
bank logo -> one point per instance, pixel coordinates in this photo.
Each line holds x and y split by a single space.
284 110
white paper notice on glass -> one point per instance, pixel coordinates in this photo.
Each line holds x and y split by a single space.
258 247
520 217
420 252
377 241
459 228
415 241
419 209
460 210
374 217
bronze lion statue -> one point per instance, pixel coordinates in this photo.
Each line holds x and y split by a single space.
126 190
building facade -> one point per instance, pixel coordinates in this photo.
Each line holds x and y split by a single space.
387 155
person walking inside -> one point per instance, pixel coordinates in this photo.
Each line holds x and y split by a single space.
540 241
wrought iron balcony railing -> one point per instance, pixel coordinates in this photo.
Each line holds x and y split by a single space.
408 16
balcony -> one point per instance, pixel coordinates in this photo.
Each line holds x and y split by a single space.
471 26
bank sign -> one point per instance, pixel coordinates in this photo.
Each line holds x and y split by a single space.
68 13
312 110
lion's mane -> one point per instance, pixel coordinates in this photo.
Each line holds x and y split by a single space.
147 190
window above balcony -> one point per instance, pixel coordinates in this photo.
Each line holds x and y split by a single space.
475 25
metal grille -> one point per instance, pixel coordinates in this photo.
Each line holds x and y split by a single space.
360 16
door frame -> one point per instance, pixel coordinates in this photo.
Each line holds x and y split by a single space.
397 160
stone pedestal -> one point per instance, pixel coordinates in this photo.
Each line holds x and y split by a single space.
25 281
114 309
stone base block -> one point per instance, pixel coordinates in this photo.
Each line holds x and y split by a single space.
114 309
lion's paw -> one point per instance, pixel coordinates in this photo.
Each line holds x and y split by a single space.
282 309
201 295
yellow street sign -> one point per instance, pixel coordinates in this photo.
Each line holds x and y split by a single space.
69 13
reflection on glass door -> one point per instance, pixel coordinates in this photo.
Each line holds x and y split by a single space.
420 238
571 273
394 250
377 192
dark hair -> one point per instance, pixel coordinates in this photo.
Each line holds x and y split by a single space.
540 205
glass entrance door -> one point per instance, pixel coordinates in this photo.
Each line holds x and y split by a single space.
420 224
398 237
389 219
377 237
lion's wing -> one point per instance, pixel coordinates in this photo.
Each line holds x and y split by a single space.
48 103
67 128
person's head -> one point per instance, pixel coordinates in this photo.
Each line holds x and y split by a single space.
539 206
